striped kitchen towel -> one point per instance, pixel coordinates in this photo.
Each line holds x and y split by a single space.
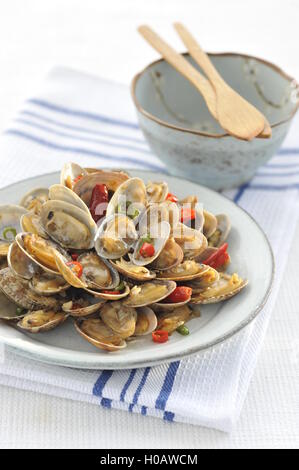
92 121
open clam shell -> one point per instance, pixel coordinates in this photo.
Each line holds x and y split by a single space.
18 291
185 271
9 310
128 199
156 192
41 321
82 305
63 193
222 231
170 256
85 185
20 264
4 249
68 225
226 287
69 173
34 199
99 335
170 320
166 305
115 236
132 271
146 321
159 241
210 224
206 280
40 251
149 293
10 216
45 284
192 241
31 222
111 295
98 273
120 318
156 213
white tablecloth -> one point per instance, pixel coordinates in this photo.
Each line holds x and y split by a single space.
38 35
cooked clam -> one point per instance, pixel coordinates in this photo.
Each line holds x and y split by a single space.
4 248
19 292
226 287
206 280
158 242
70 173
146 321
115 236
156 192
68 225
210 224
149 293
34 199
185 271
99 335
20 264
170 320
10 216
170 256
132 271
192 241
85 185
63 193
97 272
128 199
221 232
120 318
41 320
9 310
31 222
82 305
46 284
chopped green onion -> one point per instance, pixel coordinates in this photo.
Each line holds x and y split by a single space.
134 215
121 286
183 330
9 233
19 310
146 239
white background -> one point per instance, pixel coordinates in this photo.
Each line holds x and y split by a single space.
100 37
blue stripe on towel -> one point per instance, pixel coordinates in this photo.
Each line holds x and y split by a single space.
127 384
121 159
83 139
139 388
168 416
101 382
167 386
106 402
82 114
86 130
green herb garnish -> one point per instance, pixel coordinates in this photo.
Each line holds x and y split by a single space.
183 330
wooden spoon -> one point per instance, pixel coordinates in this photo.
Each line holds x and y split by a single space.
183 67
233 110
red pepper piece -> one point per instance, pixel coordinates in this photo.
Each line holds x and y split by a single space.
74 256
171 197
180 294
187 214
77 179
147 250
160 336
98 202
218 258
113 292
76 267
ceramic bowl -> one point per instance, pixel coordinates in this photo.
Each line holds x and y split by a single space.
182 133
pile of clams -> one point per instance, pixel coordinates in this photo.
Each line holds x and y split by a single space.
121 258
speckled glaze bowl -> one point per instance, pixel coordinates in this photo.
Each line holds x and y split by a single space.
181 132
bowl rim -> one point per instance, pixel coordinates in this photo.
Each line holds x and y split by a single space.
274 67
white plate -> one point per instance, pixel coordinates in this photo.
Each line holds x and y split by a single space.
251 257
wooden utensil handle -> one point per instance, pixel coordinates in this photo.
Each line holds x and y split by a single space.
181 65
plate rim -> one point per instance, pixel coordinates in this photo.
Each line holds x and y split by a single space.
25 349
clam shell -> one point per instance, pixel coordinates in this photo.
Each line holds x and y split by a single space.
44 284
205 297
137 297
63 193
111 296
170 320
185 271
99 335
4 248
93 306
156 192
206 280
222 231
67 273
96 270
70 171
112 179
122 234
8 309
53 247
68 225
192 241
146 321
40 321
170 256
31 222
120 318
10 216
131 191
158 242
20 264
210 224
34 199
18 291
132 271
